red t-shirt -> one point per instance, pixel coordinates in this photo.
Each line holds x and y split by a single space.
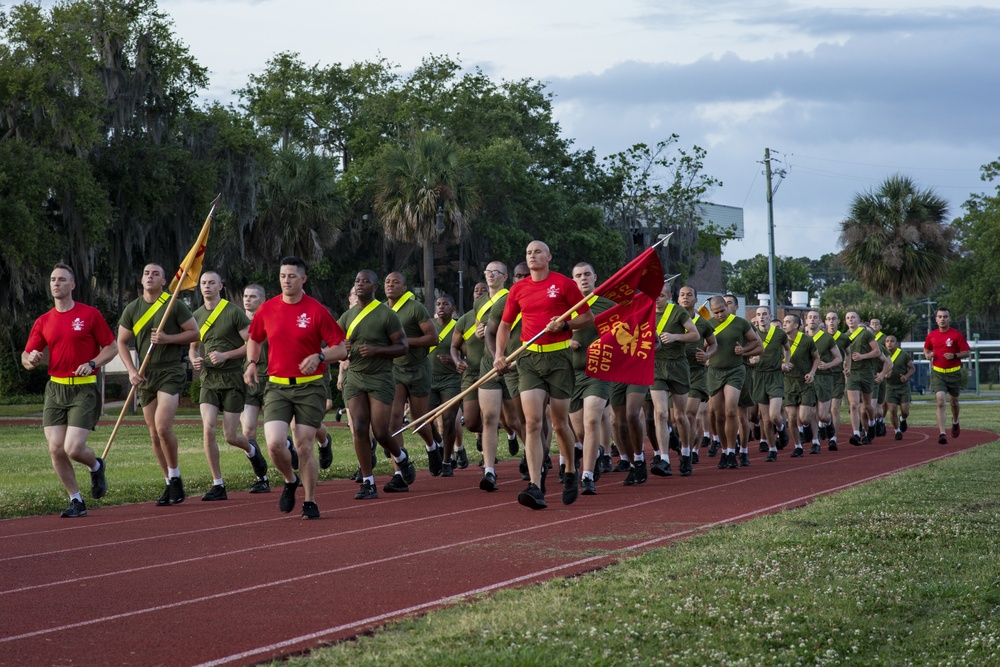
294 331
538 302
940 342
73 338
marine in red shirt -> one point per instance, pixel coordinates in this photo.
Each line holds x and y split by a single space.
546 368
945 348
79 342
302 336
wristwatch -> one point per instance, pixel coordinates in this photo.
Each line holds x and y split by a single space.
93 366
322 357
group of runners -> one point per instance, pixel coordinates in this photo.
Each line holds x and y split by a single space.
720 382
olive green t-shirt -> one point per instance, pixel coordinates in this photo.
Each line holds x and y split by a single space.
223 335
704 327
674 323
161 354
774 341
824 345
728 334
900 366
411 315
377 329
445 332
801 349
474 346
861 343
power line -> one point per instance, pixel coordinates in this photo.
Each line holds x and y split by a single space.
885 166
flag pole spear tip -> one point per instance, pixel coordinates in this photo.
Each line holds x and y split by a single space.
662 239
215 201
671 278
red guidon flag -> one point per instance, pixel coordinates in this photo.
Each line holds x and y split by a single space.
626 342
193 261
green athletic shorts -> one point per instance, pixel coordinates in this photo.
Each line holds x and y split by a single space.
823 386
305 402
378 386
948 382
720 377
169 378
746 391
699 382
512 380
76 405
863 381
495 382
767 385
797 392
880 391
839 385
444 388
255 395
226 391
551 371
673 376
620 390
897 394
586 387
416 378
470 377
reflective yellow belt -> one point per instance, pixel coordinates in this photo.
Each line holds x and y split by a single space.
84 379
549 347
301 380
946 370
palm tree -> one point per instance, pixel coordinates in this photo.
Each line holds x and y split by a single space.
417 182
895 239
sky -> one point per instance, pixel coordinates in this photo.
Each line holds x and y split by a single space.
844 94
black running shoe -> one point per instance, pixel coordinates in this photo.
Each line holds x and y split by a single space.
259 463
614 451
783 438
407 468
870 433
217 492
630 478
489 482
340 413
622 466
807 433
685 466
798 452
435 459
956 429
309 510
605 464
367 491
75 510
815 448
588 487
855 440
744 460
641 475
325 456
597 465
756 431
571 488
713 449
164 498
98 482
880 429
295 455
942 439
705 441
513 446
902 425
772 456
374 455
562 473
865 440
396 485
261 486
898 436
694 457
734 463
675 442
522 468
546 466
832 445
356 476
723 461
287 501
660 467
532 497
446 470
461 458
479 442
762 447
176 491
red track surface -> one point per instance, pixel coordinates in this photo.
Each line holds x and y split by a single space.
185 585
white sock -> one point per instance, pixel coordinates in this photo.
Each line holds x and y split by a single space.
685 451
173 472
76 496
97 466
588 474
489 470
253 450
370 479
431 447
402 456
218 482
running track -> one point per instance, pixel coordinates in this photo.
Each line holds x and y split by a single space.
237 582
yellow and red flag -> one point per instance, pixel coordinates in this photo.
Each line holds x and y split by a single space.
623 351
187 276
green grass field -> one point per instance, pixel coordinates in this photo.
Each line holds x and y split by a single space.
902 571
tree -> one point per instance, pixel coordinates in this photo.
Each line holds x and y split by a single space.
654 190
418 182
974 277
750 277
895 240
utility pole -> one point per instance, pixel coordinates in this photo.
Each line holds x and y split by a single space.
770 235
